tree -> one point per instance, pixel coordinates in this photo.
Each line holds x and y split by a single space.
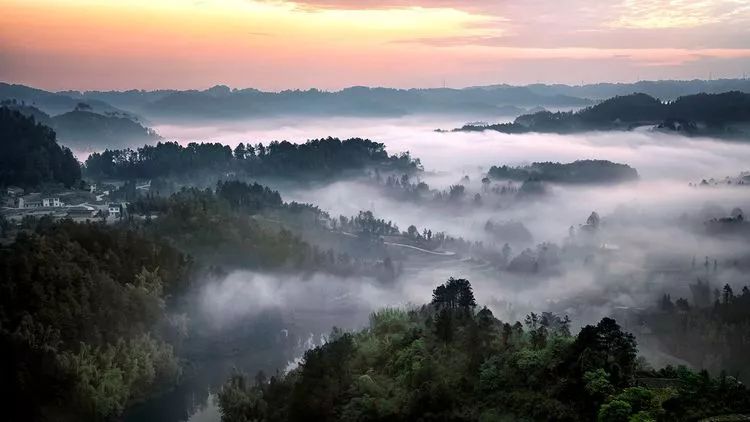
240 151
444 325
615 411
682 304
485 184
506 251
456 192
727 294
465 293
607 347
593 220
665 304
454 294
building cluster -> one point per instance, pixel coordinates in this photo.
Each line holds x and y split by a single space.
81 206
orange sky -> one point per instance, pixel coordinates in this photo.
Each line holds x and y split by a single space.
330 44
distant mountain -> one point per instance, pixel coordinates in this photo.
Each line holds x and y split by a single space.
222 102
83 128
666 90
356 101
724 115
50 102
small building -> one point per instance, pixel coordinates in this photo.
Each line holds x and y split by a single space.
51 202
115 210
14 191
82 212
36 200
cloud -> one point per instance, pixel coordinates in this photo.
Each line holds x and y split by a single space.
659 14
581 23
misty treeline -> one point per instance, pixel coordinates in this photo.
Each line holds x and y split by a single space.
30 155
84 321
451 361
240 225
699 114
319 158
709 330
581 171
503 185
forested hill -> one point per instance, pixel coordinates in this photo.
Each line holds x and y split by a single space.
82 127
30 155
314 159
83 321
85 128
578 172
449 361
700 114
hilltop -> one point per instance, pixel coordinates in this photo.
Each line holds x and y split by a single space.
720 115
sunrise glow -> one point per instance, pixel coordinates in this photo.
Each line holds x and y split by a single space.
277 44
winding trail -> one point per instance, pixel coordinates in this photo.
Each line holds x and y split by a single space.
403 245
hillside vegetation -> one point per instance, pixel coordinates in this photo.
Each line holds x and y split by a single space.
448 361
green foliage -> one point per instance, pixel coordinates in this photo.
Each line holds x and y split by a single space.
81 314
406 366
597 384
218 229
691 331
615 411
454 294
109 376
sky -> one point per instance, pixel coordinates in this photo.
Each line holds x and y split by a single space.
331 44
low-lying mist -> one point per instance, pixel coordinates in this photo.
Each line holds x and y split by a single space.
652 238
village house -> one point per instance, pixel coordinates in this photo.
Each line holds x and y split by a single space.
14 191
115 210
36 200
83 212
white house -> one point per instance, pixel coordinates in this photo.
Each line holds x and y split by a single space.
51 202
35 200
114 210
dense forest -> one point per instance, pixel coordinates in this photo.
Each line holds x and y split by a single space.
699 114
581 171
30 155
319 158
709 331
247 226
83 321
449 361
